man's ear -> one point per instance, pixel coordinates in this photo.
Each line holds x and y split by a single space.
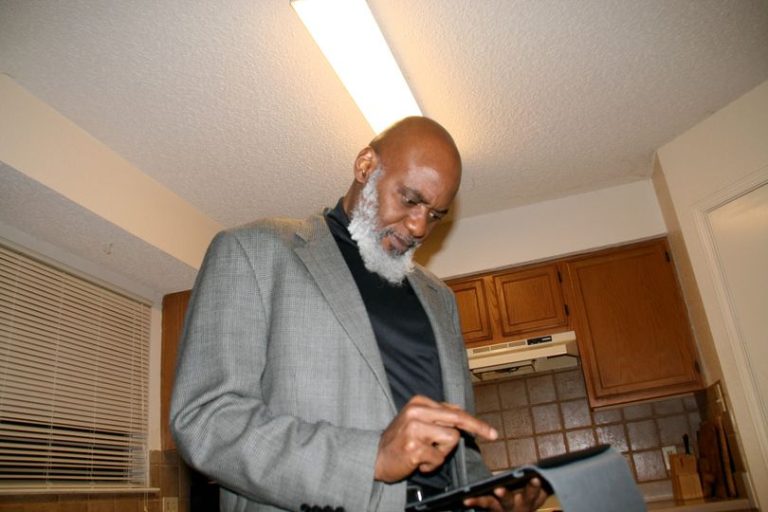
365 164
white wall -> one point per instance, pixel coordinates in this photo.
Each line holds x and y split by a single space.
548 229
710 163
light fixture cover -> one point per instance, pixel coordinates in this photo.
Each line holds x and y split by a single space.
348 35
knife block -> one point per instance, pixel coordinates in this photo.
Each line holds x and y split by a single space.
686 484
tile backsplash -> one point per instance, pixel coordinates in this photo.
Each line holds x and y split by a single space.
544 414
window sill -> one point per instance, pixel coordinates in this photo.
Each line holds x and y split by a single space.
26 491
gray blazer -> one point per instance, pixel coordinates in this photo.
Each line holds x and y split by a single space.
281 394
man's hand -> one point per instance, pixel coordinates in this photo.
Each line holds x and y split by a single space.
527 500
421 436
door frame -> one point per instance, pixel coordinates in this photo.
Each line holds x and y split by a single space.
754 412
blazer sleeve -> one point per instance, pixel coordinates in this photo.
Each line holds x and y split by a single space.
219 418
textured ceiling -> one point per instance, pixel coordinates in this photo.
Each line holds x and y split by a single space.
231 105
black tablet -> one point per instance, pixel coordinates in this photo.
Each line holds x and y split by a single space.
511 479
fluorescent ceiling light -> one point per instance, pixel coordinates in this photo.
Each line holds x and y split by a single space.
348 35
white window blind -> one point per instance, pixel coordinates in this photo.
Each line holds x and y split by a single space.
74 364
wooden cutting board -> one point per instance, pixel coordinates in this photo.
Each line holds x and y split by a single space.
710 461
725 458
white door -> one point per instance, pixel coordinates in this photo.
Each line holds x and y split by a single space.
739 231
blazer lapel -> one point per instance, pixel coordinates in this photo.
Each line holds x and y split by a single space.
442 325
325 263
451 356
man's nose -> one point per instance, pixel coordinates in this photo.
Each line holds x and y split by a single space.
417 222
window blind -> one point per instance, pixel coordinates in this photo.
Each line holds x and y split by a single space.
74 369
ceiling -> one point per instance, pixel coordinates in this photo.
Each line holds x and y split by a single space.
231 105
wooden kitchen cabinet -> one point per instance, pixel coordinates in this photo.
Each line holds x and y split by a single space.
174 309
473 296
530 300
510 304
631 324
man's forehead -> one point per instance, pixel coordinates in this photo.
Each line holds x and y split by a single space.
428 187
434 163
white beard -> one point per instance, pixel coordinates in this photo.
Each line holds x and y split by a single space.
364 229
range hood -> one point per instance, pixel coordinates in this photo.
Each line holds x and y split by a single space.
522 356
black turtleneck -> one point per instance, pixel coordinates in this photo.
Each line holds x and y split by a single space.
402 329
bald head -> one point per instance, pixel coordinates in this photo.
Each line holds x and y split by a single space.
416 170
419 136
415 144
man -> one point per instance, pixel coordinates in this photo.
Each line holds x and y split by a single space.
319 367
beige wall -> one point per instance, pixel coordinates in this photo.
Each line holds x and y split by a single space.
706 347
706 165
544 230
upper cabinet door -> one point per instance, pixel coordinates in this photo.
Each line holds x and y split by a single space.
498 306
174 309
530 300
632 326
473 298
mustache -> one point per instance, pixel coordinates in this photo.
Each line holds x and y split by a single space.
408 241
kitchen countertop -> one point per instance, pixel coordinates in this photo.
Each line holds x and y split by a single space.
700 505
741 504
